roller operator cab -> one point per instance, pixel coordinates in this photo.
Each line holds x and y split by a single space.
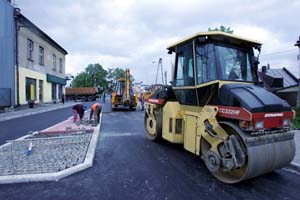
217 111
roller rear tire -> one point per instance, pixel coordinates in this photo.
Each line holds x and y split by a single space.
153 127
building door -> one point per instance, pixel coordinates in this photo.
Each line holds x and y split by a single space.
60 88
53 85
30 89
41 91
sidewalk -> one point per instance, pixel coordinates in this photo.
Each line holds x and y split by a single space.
26 111
296 161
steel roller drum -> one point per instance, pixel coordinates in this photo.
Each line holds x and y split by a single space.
264 154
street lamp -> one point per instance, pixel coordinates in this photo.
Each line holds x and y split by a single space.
298 96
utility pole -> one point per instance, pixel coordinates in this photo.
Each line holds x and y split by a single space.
159 65
166 81
298 95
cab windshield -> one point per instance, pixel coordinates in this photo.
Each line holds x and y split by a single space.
221 62
121 87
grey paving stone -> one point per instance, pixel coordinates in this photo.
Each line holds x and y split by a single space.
49 154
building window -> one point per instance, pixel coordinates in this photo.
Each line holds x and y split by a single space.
29 49
60 65
41 55
54 61
30 89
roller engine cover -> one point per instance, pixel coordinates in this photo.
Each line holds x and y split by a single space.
251 97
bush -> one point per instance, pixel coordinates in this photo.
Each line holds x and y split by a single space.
296 120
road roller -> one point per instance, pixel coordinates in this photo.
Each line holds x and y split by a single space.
217 108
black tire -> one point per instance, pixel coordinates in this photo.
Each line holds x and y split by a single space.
156 136
90 98
83 98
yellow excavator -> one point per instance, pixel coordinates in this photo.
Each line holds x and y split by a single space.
217 110
123 95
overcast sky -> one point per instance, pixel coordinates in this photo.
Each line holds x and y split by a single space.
135 33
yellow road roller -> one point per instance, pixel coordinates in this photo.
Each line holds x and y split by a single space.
217 109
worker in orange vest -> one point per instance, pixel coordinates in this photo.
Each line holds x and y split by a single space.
96 110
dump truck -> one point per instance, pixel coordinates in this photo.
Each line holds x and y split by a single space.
217 110
82 93
123 95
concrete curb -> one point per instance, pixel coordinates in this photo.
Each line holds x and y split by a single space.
56 176
294 166
35 112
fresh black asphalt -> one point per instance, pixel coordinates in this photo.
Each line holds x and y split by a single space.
129 166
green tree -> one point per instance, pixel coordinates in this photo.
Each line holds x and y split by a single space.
93 76
223 29
116 73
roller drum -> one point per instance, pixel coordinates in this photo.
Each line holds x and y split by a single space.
265 154
272 155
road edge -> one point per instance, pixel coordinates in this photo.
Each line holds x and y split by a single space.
34 112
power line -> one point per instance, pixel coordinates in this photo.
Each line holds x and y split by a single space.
278 52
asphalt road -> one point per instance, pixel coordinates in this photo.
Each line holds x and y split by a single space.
15 128
129 166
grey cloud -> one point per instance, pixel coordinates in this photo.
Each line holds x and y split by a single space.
132 29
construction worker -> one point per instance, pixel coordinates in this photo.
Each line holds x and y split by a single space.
143 101
96 110
78 109
63 98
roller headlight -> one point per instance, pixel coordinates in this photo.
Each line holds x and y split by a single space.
286 122
259 125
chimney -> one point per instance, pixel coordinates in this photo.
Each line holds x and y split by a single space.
264 69
298 43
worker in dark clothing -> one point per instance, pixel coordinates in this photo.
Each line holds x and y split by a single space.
63 98
143 101
96 110
78 109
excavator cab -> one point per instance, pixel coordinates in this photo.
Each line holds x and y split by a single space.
124 96
217 111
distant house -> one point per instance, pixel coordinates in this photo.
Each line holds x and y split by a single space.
281 82
32 67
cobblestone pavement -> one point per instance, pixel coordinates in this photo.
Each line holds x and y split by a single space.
48 155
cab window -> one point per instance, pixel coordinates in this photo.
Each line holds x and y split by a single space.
184 66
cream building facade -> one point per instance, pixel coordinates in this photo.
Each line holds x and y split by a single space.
40 64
